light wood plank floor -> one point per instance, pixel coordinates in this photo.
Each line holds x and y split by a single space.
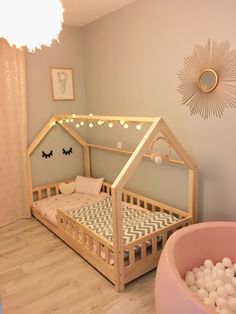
39 274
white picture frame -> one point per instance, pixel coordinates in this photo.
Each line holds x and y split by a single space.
62 84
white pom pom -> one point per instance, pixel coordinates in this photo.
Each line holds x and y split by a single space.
193 288
189 278
208 263
226 262
158 159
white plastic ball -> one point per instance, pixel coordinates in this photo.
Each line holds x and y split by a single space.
229 288
209 302
202 268
220 265
232 303
202 293
199 274
221 291
226 311
210 286
234 267
189 278
233 281
200 283
226 262
208 263
220 273
207 272
229 273
193 288
213 295
214 269
195 270
221 302
218 283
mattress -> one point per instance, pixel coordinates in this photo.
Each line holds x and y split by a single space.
137 221
48 207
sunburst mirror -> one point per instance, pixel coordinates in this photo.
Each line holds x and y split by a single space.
208 80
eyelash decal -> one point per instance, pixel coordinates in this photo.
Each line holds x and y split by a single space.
45 155
67 152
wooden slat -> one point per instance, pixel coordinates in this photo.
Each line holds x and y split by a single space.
74 134
192 194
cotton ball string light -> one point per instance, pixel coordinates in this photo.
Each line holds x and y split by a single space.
214 284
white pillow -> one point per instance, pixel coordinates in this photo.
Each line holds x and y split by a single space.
86 185
66 188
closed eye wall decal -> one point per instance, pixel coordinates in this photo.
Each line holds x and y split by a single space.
45 155
67 152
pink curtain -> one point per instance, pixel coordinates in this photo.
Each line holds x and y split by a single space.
13 135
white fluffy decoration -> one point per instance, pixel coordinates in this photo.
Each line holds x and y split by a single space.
215 284
30 23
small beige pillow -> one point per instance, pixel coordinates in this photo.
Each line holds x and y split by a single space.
67 188
86 185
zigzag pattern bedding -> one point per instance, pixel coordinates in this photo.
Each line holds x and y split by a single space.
137 222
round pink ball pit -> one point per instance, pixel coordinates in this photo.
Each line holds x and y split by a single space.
185 249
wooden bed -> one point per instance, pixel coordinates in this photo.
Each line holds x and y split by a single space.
83 240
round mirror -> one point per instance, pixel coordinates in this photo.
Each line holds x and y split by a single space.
208 80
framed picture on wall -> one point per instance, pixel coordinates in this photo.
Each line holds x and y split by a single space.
62 84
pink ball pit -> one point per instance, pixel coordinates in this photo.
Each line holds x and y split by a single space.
185 249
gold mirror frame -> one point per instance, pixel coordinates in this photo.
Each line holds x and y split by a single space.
208 80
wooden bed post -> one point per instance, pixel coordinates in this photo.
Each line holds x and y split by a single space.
192 193
117 224
86 153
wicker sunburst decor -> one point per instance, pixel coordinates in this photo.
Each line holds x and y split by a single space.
208 80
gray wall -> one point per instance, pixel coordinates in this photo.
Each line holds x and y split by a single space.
132 58
65 54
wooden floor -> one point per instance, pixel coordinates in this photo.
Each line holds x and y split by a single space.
40 274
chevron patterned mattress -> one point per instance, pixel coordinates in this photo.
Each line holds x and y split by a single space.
137 221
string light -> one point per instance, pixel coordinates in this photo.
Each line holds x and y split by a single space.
77 125
73 115
67 120
82 123
71 120
90 124
122 122
138 127
110 125
60 121
126 126
53 123
100 122
91 114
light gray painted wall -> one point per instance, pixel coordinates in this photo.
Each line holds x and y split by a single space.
132 58
66 54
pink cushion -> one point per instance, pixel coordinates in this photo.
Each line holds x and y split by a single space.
86 185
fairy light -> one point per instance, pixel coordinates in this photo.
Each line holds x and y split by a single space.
100 122
67 120
90 124
71 120
126 126
122 122
82 123
73 115
77 125
60 121
53 123
91 114
110 125
138 127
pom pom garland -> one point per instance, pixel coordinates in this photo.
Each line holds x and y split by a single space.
214 284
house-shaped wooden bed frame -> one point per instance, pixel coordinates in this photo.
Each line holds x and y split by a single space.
67 229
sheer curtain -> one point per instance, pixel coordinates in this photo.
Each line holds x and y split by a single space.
13 135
